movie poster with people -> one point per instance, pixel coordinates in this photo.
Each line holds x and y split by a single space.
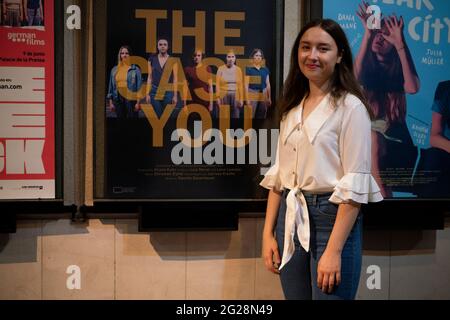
401 58
27 144
189 101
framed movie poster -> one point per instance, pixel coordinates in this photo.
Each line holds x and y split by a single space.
188 98
27 144
401 51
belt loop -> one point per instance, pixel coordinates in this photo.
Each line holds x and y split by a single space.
314 199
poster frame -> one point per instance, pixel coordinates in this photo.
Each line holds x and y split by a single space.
58 94
100 35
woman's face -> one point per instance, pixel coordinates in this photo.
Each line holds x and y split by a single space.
317 55
380 45
198 57
231 59
124 54
257 57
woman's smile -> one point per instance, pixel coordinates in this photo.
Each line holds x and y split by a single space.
312 66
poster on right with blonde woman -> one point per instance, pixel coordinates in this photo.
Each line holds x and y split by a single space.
401 58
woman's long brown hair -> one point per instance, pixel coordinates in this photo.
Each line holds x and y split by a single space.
383 86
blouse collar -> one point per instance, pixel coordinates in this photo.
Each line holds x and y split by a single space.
313 123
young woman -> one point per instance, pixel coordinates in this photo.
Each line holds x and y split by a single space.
322 172
124 82
258 93
229 86
195 82
386 70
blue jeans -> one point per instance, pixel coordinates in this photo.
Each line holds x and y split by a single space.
299 275
34 17
160 105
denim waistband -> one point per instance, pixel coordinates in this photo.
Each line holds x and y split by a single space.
311 197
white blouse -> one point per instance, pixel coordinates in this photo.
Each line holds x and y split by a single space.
329 152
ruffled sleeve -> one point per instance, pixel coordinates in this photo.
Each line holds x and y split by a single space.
272 177
358 187
356 183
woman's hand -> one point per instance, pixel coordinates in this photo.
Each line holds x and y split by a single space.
147 99
175 99
271 254
185 110
329 271
395 28
363 15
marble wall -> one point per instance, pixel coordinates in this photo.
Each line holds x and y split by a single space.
117 262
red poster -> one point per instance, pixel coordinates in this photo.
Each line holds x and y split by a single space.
27 144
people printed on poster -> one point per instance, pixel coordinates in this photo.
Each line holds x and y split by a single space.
227 87
161 95
195 85
258 92
437 158
13 13
386 70
440 132
34 12
124 81
21 13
